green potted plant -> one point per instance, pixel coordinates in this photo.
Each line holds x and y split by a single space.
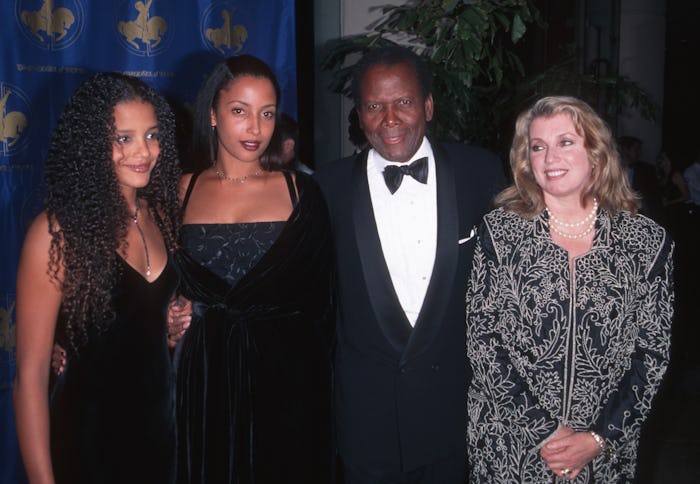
480 83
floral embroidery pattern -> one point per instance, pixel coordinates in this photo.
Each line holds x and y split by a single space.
547 345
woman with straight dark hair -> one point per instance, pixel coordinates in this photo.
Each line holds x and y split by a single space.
254 365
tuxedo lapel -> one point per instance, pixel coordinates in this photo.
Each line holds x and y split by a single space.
439 291
387 308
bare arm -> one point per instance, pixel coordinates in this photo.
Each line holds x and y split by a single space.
38 302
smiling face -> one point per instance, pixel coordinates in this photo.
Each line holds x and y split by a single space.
244 117
392 111
135 148
559 158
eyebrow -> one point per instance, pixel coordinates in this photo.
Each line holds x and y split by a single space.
273 105
131 130
567 133
392 100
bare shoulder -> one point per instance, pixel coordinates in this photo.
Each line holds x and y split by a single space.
38 237
279 176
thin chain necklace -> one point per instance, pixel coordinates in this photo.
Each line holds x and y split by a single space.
135 218
590 218
237 179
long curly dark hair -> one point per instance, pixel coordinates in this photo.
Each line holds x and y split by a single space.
87 213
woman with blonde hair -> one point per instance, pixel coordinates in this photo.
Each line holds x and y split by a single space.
568 309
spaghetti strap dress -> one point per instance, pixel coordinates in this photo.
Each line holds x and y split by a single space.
254 371
113 407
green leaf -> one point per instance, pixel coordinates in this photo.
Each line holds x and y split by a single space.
479 80
518 29
502 19
449 6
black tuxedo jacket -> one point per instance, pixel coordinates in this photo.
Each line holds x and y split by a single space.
400 391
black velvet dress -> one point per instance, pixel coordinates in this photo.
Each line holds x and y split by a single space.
253 398
113 407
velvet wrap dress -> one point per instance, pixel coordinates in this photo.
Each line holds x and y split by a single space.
254 368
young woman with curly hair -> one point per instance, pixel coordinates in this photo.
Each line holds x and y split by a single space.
96 276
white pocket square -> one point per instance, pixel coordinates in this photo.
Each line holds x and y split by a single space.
471 235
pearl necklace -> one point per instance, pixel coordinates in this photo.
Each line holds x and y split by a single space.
590 219
579 235
239 179
135 218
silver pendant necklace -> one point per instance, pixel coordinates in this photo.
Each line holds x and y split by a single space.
135 218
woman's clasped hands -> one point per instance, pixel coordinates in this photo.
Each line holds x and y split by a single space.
568 452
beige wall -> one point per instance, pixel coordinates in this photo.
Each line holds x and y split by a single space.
641 59
333 19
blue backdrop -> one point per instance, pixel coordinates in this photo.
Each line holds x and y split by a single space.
49 46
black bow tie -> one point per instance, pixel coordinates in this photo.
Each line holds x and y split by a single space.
393 174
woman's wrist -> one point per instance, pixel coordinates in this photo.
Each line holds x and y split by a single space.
605 449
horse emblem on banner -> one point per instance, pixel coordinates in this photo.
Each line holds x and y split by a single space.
52 26
12 123
226 38
147 29
7 334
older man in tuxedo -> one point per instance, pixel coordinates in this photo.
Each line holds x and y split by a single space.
403 214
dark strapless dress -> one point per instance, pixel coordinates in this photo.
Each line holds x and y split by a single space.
113 408
253 392
229 250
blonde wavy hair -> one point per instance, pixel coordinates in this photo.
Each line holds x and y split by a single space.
608 183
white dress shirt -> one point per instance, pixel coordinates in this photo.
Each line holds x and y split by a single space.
407 227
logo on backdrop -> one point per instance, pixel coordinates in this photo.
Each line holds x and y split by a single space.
14 109
219 31
49 24
142 32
